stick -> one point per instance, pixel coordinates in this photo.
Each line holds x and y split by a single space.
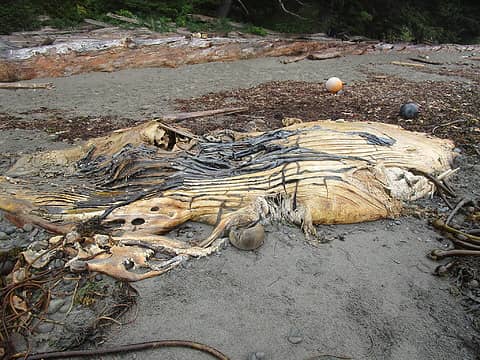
439 224
455 210
401 63
123 18
197 114
438 254
476 58
280 2
425 61
127 348
320 56
21 85
448 124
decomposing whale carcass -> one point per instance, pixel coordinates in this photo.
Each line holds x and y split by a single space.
125 192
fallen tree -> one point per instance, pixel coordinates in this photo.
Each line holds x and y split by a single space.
87 55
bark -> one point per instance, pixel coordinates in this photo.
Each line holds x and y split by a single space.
87 55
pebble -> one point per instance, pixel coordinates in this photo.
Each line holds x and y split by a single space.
190 234
473 284
58 263
72 237
256 356
6 267
55 305
3 236
295 337
101 240
98 277
28 227
9 230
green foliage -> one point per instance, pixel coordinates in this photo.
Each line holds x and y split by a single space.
408 20
257 30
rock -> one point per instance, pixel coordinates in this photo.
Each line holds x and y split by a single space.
409 110
101 240
65 307
6 267
295 336
473 284
58 263
55 305
9 230
3 236
28 227
247 238
98 277
190 234
72 237
256 356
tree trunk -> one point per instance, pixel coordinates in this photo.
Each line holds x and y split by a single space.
225 8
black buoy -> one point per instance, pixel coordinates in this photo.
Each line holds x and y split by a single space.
409 110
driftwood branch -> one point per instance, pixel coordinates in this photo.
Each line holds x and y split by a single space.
402 63
20 85
313 56
197 114
324 56
128 348
425 61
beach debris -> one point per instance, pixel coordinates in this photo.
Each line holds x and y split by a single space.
334 85
409 110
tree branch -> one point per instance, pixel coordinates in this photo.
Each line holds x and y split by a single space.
289 12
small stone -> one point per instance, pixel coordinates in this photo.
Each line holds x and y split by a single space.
190 234
28 227
98 277
9 230
6 267
3 236
295 337
101 240
55 305
64 308
398 222
471 209
72 237
473 284
256 356
58 263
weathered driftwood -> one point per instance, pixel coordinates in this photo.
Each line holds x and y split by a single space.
138 184
403 63
20 85
87 55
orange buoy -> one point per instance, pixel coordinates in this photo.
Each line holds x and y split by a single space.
334 85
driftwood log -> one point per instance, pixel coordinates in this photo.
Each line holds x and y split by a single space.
87 55
125 192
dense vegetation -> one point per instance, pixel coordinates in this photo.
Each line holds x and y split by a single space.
408 20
